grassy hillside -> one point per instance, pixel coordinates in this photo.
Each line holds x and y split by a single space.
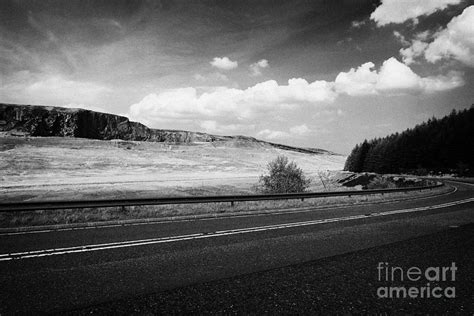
59 167
52 121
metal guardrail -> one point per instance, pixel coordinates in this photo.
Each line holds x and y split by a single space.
55 205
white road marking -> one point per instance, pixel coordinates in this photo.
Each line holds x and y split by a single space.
302 210
142 242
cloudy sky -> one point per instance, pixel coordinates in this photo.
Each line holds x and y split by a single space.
324 74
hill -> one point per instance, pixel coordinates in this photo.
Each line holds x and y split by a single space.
84 154
443 145
48 121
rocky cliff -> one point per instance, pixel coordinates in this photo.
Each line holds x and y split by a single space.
34 120
57 121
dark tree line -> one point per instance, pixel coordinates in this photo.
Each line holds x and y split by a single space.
440 145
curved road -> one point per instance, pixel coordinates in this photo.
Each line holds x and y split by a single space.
55 271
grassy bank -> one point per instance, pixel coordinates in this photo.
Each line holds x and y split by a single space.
85 215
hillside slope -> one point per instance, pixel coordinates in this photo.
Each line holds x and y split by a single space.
78 154
75 168
47 121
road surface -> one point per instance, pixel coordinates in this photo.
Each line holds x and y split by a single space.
55 271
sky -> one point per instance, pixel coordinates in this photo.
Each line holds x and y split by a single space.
325 73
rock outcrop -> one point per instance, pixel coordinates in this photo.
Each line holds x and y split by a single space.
64 122
369 180
35 120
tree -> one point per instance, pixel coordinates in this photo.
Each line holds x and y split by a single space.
439 145
283 177
357 158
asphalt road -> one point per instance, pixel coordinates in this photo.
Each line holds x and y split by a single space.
56 271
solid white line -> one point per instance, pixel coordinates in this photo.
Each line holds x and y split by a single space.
87 247
142 242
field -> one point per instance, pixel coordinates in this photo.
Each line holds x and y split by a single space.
71 168
51 168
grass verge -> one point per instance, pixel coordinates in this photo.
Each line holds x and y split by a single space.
88 215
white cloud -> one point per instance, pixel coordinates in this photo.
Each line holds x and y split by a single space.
360 81
177 104
209 125
224 63
397 78
64 89
263 63
185 103
272 134
215 127
401 38
228 110
199 77
423 36
216 76
456 41
416 49
393 78
358 24
26 87
443 82
300 130
256 68
399 11
345 40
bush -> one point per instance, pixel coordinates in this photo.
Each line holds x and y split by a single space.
380 183
283 177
